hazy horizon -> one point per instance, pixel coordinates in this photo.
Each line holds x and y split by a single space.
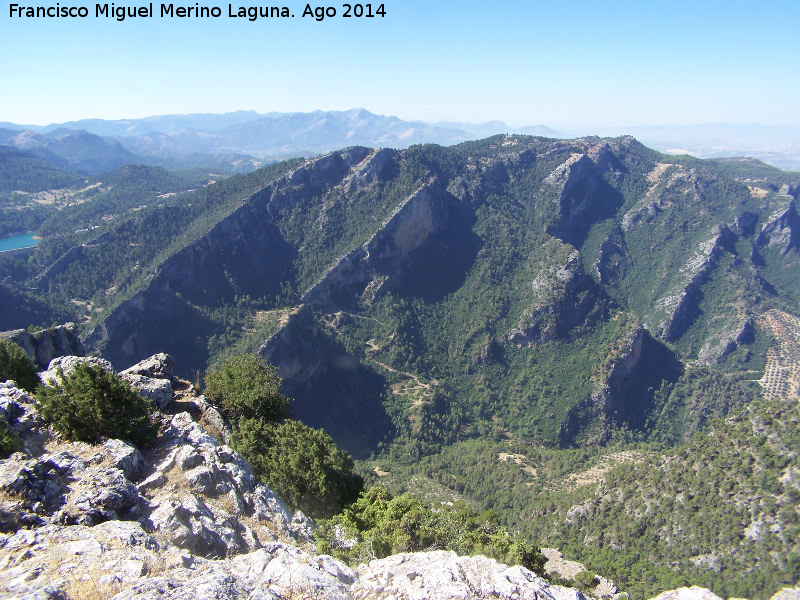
598 64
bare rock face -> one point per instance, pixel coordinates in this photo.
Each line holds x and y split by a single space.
189 488
152 377
198 489
158 366
582 191
46 344
782 229
718 346
787 594
568 569
441 575
17 408
418 219
672 311
558 302
688 593
67 364
157 390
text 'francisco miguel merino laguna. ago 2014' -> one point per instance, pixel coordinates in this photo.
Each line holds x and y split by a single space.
120 13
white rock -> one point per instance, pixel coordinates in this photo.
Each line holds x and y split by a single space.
126 457
441 575
158 366
688 593
159 391
67 364
787 594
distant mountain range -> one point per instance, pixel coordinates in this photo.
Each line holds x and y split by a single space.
244 140
777 145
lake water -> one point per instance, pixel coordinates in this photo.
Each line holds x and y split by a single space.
14 242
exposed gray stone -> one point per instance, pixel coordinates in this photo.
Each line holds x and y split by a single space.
103 495
787 594
303 527
126 457
688 593
442 575
158 366
18 408
67 364
214 419
157 390
44 345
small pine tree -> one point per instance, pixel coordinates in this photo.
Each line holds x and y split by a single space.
304 466
91 403
15 364
247 387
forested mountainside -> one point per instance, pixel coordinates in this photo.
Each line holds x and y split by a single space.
515 295
79 151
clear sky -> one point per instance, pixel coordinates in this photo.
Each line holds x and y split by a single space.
525 62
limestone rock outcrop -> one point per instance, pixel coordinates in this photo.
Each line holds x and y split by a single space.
560 301
46 344
441 575
782 229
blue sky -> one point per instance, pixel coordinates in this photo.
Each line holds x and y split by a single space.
525 62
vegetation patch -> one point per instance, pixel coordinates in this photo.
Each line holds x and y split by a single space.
781 380
91 403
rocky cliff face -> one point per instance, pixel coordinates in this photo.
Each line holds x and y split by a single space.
593 418
46 344
782 228
426 213
563 298
585 194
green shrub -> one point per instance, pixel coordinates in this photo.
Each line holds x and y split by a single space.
15 364
9 440
587 579
383 525
303 465
91 403
246 387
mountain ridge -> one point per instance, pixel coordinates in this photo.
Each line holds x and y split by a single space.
554 300
161 134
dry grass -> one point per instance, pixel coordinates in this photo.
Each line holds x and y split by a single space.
99 575
757 192
519 459
596 473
